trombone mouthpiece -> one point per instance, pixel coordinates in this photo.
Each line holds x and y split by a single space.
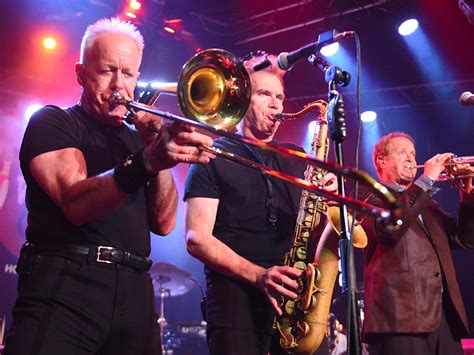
115 99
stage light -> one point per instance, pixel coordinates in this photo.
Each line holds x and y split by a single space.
130 14
168 29
30 110
173 21
408 27
135 5
49 43
312 126
330 49
368 116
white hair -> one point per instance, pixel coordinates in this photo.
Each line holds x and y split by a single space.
109 25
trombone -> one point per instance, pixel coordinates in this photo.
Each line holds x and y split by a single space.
214 89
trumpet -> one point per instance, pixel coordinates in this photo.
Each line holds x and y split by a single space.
214 90
451 169
452 172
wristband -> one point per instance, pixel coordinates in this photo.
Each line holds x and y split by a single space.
131 175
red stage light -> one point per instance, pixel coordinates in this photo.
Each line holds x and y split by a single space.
173 21
49 43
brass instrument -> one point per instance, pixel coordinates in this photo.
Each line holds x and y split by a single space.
304 321
214 91
452 172
358 236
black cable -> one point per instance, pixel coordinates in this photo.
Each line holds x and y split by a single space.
359 126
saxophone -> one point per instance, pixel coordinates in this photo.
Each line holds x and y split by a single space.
304 322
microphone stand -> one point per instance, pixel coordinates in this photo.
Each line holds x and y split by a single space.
334 76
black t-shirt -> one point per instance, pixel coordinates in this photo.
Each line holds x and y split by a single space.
103 147
242 220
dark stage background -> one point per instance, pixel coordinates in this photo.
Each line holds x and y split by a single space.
412 83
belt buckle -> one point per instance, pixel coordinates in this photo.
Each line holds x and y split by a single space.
99 249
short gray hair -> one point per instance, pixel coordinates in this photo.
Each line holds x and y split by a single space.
110 25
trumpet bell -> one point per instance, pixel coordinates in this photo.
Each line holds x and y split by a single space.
359 237
214 88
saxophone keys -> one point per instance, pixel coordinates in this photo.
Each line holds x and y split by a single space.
289 307
301 329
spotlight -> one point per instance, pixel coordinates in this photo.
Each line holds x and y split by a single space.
173 21
368 116
30 110
130 14
135 5
312 126
49 43
330 49
408 27
168 29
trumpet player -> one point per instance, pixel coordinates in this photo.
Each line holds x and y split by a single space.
413 304
240 225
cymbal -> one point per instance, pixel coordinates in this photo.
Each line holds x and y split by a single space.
171 279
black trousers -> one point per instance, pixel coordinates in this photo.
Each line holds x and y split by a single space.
439 342
240 319
74 305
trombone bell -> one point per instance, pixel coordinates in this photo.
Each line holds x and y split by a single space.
214 88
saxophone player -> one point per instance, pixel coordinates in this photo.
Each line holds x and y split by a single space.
240 224
413 304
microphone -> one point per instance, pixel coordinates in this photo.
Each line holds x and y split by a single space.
466 98
286 60
265 64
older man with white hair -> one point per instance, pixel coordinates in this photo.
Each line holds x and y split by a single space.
96 187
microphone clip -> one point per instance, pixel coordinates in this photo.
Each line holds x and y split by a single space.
331 72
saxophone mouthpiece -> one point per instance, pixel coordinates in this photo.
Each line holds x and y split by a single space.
280 117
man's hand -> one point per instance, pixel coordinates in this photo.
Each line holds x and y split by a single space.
435 166
148 125
279 281
176 143
329 182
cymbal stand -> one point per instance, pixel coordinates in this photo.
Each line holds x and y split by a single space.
161 319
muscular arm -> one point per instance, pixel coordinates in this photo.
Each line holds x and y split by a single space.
162 202
62 174
200 218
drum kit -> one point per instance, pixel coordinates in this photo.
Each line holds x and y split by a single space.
170 281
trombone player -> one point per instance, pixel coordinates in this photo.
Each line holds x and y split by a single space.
95 189
413 304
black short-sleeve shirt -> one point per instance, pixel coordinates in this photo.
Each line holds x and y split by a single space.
103 147
242 220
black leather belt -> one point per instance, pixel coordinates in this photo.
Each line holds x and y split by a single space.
100 254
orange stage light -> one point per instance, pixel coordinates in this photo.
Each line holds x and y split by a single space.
173 21
49 43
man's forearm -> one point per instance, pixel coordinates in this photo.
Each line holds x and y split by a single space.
219 257
162 203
